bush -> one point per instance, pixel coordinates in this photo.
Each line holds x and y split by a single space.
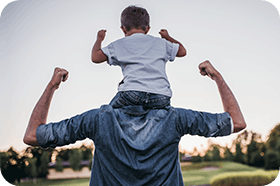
196 159
272 160
206 157
256 159
255 178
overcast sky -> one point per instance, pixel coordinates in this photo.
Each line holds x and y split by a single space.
240 37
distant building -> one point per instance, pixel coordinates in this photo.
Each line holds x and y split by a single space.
187 158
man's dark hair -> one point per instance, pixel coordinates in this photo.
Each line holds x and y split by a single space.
136 17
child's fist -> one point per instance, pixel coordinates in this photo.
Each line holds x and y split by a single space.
164 33
101 34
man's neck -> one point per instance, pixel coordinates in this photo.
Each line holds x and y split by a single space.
134 31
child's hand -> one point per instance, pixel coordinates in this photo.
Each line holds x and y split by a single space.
101 34
164 33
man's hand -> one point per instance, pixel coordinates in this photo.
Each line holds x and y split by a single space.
59 75
206 69
164 34
101 35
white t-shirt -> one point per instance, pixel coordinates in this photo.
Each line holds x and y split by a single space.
142 59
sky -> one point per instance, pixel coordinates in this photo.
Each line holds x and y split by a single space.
240 37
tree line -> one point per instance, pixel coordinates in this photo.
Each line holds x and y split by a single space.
33 162
248 148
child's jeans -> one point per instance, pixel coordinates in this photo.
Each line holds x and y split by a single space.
148 100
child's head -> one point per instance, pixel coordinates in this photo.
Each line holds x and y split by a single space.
135 17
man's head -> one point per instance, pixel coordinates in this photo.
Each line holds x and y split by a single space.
135 17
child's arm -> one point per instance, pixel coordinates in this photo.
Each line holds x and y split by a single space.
97 56
182 51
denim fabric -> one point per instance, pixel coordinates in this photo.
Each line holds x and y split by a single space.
147 100
133 145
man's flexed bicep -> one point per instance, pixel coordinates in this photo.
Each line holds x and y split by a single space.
41 109
229 101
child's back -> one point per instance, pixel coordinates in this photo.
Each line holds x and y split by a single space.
143 60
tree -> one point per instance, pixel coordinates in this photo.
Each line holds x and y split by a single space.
256 160
273 137
253 150
58 166
228 155
75 159
43 157
277 145
242 139
31 169
196 159
207 157
12 167
272 160
239 156
3 158
180 156
86 152
90 164
216 154
64 154
44 161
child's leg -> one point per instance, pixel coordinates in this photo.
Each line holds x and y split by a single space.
148 100
113 102
125 98
156 101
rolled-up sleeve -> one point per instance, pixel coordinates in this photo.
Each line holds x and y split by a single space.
203 123
69 130
110 52
171 50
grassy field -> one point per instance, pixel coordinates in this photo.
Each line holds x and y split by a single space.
200 176
194 174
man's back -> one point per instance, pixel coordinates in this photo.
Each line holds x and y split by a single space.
139 148
134 146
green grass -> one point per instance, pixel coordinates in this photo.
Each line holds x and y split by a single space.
197 176
192 175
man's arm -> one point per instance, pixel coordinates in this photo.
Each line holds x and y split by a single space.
40 111
182 51
97 56
230 104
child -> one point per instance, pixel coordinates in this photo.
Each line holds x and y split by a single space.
142 59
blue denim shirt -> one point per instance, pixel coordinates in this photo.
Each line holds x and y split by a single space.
134 146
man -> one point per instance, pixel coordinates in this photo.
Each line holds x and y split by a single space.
134 146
